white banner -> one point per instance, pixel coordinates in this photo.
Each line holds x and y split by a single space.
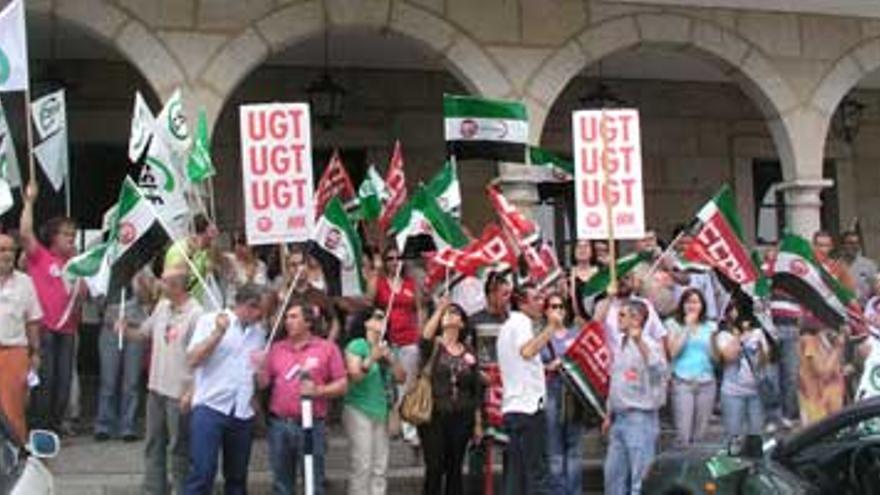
276 158
621 151
49 114
13 48
142 128
52 157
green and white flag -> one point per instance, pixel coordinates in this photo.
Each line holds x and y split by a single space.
598 283
446 189
49 114
50 119
142 128
8 159
560 170
13 48
802 276
172 128
477 128
200 167
163 185
336 235
134 238
53 159
422 215
372 194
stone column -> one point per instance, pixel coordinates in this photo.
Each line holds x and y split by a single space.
519 183
802 204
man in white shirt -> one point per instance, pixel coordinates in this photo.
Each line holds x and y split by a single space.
522 404
220 354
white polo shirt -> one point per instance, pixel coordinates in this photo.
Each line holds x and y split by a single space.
524 387
224 381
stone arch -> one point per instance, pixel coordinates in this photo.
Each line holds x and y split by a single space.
845 74
285 26
748 65
126 34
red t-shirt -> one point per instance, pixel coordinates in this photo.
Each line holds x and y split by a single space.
403 318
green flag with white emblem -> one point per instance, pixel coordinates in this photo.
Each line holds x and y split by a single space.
200 167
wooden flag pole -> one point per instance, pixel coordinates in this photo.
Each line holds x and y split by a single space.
606 190
394 288
121 316
280 312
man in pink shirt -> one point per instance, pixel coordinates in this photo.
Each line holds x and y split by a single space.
300 364
59 301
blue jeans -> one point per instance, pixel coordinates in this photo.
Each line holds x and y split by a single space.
118 402
789 370
565 440
742 414
632 445
57 354
210 431
287 442
525 456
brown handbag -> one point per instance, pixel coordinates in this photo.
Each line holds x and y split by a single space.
418 401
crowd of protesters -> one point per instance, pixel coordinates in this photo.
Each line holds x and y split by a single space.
216 376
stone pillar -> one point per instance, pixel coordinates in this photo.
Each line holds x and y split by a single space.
520 186
802 204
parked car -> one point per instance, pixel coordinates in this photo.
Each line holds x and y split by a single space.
839 455
21 470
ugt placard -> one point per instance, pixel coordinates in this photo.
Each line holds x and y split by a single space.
276 159
612 137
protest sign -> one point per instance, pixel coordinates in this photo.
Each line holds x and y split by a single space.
619 147
276 156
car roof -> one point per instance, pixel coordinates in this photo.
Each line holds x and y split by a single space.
852 413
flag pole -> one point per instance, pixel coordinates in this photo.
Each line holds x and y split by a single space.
121 316
186 257
280 313
394 284
609 214
665 253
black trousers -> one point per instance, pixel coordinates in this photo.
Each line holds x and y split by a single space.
444 443
525 457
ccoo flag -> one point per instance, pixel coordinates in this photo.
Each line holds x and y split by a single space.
142 128
8 161
13 48
487 129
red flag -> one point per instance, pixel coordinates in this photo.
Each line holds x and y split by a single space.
438 264
586 366
523 230
395 181
334 182
492 248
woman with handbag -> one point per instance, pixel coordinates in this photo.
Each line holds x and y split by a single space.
565 416
744 352
456 391
371 367
693 375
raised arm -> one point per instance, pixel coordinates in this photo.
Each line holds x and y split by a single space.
26 225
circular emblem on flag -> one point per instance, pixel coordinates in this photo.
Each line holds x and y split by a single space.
874 378
469 128
127 233
264 224
5 71
177 122
502 132
799 268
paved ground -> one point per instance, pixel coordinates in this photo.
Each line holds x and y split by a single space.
86 467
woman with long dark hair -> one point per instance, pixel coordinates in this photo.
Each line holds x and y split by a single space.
693 375
565 428
456 391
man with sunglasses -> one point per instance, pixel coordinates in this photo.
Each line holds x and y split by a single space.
519 345
636 393
169 390
221 355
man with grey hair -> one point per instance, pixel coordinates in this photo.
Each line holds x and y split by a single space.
169 327
221 353
636 393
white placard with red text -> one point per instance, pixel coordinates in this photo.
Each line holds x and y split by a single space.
276 159
623 150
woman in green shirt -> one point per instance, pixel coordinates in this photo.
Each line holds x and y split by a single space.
370 365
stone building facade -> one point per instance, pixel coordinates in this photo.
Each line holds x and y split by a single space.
786 73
